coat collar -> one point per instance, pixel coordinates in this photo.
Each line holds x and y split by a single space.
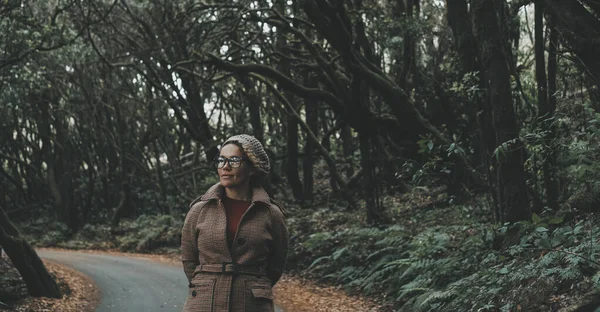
218 191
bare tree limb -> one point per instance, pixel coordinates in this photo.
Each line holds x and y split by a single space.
290 109
285 81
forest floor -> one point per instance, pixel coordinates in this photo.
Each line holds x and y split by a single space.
441 237
293 293
79 291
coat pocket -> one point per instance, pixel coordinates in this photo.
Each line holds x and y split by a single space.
258 297
200 296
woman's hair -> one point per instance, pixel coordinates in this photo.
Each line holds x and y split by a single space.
257 179
253 149
258 158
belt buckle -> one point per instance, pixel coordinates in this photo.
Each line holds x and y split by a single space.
233 271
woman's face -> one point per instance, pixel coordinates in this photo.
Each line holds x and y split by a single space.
233 177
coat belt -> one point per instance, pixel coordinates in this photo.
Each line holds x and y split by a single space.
231 268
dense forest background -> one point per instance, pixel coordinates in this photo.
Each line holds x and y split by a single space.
438 155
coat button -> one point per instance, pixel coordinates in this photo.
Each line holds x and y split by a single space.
241 241
193 293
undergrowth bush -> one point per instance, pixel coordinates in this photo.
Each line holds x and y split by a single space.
44 232
529 275
454 268
147 233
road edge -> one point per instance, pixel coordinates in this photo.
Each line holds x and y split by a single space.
292 293
83 294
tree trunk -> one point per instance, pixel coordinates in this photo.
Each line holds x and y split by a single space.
544 107
197 116
165 208
37 279
58 169
66 164
14 179
466 46
124 208
375 215
459 20
552 188
399 9
292 170
510 172
408 56
254 101
478 128
124 205
579 29
348 150
312 120
45 134
253 107
410 11
89 202
327 145
362 97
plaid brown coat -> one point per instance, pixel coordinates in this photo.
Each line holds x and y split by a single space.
260 244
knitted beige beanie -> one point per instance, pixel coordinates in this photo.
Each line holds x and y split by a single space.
253 149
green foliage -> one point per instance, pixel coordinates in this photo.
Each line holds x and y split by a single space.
350 249
543 263
44 232
437 164
57 232
393 261
468 87
504 148
580 162
453 268
147 233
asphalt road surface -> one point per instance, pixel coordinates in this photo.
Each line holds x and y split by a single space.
129 284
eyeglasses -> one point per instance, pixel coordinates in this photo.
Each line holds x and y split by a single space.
234 161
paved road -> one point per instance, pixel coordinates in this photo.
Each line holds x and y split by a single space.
129 284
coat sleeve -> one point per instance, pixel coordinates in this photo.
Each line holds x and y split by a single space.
279 247
189 241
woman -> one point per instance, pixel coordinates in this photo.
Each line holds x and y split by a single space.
234 240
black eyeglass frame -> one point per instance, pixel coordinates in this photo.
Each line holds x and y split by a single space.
237 160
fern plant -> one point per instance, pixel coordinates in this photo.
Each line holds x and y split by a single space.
451 268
